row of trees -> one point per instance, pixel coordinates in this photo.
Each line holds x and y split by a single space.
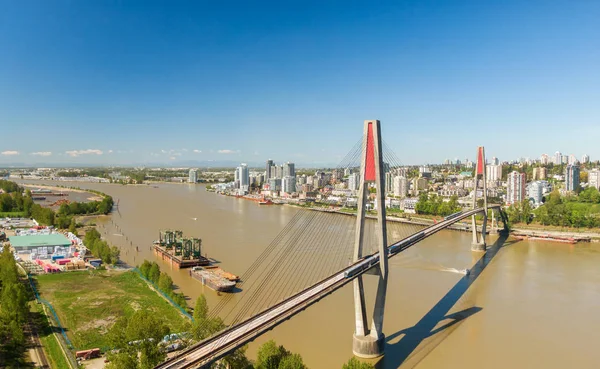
570 211
433 204
151 271
13 312
100 248
9 186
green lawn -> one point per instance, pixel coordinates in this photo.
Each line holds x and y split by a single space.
88 303
12 214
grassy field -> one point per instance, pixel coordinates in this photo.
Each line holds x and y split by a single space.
88 303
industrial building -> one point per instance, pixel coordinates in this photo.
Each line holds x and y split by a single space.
39 244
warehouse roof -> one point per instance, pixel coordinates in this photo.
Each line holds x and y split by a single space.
54 239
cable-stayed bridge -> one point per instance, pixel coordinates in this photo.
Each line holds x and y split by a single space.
312 258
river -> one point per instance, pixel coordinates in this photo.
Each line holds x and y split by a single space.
524 305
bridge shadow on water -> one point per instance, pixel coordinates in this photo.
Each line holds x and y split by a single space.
397 354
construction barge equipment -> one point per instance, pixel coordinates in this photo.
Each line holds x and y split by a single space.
215 278
181 252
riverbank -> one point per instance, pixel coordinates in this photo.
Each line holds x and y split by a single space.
95 197
88 303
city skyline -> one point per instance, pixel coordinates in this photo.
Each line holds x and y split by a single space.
101 83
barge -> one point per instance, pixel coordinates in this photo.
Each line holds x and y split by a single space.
215 278
180 252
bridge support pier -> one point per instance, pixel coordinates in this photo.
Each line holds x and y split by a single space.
370 343
479 245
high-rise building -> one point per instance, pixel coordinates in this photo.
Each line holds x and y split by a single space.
288 184
493 173
495 161
389 182
354 182
564 159
515 192
544 159
243 176
400 186
594 178
572 159
279 171
539 173
268 169
289 170
557 158
275 184
571 177
585 159
193 176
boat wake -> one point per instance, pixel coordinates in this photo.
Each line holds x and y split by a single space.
454 270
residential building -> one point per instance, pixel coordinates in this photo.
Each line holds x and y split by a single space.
273 171
495 161
594 178
418 184
564 159
544 159
354 182
400 186
243 176
539 173
268 170
557 158
279 171
571 177
515 184
572 159
493 173
288 184
289 170
275 184
585 159
389 183
535 192
193 176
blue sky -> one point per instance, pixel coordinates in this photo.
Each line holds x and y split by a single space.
120 82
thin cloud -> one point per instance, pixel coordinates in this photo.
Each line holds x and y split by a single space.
197 151
76 153
41 153
227 151
110 151
9 153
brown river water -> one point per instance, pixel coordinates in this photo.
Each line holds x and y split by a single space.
524 304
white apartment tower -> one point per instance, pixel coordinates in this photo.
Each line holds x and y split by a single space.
515 188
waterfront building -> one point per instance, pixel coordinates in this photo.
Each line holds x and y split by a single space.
288 184
585 159
275 184
243 177
400 186
301 180
273 171
571 177
539 173
193 176
515 185
268 169
594 178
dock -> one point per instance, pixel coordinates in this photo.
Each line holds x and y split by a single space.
180 252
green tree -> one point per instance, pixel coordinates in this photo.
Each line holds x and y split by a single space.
154 273
354 363
201 309
292 361
270 355
165 283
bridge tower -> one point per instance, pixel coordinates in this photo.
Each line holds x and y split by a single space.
370 342
480 172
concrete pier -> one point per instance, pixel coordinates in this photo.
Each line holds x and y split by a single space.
368 347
